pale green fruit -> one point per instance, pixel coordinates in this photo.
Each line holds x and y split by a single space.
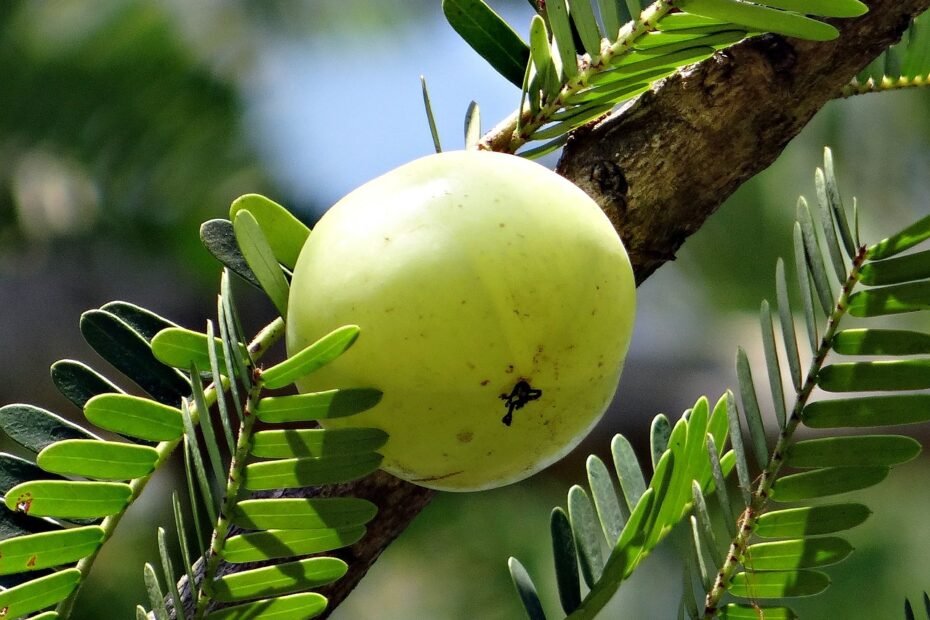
469 273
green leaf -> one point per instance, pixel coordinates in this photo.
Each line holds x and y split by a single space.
811 520
181 532
661 483
563 37
826 225
720 487
751 408
35 428
640 64
284 578
614 16
309 471
135 416
39 593
316 442
853 451
303 513
822 8
155 594
896 270
697 466
736 439
628 551
880 342
606 500
489 35
771 363
875 376
739 611
316 405
183 348
304 605
192 447
430 119
718 425
213 353
79 383
659 434
868 411
778 584
895 299
850 241
786 320
105 460
472 125
260 256
566 560
48 549
132 355
687 21
899 242
705 570
629 473
69 499
814 257
206 430
195 500
761 18
145 322
274 544
311 358
702 517
168 573
526 589
826 481
804 286
285 233
587 535
219 238
542 58
797 553
48 615
582 14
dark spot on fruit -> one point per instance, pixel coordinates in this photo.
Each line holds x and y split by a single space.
485 382
502 225
521 394
465 436
509 368
471 365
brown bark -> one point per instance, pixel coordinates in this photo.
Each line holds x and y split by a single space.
662 165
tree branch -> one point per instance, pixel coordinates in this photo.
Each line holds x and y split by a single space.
660 166
663 164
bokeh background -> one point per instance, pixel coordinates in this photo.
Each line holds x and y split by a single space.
125 123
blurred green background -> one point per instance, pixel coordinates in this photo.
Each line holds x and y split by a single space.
124 124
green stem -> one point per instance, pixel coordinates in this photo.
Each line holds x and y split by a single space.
233 484
747 521
515 131
882 85
267 337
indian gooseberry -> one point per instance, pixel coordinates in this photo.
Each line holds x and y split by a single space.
495 302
